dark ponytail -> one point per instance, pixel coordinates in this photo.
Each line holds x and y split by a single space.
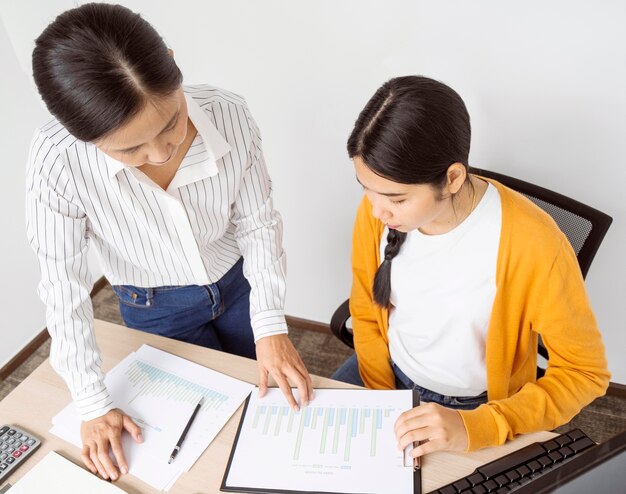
98 65
382 280
410 132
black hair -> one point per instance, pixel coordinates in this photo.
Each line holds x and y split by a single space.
410 132
98 65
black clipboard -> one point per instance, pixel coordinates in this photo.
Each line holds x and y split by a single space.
417 472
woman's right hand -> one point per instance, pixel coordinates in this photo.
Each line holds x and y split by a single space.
101 433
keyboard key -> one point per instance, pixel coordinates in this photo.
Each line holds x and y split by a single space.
581 444
448 490
479 489
534 466
576 434
545 461
555 456
563 440
475 479
501 480
491 485
512 475
523 470
551 446
461 485
566 452
503 490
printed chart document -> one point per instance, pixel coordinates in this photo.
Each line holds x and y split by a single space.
343 442
57 475
159 391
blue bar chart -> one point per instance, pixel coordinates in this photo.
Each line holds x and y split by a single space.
335 427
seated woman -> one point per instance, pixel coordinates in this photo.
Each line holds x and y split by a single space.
454 279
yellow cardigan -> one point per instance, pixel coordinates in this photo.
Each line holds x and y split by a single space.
540 290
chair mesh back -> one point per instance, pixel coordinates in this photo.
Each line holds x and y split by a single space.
575 228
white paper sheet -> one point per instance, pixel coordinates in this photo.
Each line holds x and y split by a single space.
159 391
342 442
57 475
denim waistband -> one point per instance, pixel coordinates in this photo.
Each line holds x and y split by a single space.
426 395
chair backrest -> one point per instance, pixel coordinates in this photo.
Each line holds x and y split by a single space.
584 226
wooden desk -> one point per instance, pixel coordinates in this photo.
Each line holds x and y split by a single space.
43 394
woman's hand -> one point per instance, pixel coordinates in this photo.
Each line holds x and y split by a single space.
277 356
437 427
101 433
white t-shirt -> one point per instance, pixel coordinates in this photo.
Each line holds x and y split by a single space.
442 291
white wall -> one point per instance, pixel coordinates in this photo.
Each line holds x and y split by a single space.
21 310
543 81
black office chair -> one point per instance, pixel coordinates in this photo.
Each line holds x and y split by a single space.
584 226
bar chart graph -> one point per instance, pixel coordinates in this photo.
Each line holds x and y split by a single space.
343 441
148 380
333 427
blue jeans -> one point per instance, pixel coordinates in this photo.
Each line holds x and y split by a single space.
349 373
215 316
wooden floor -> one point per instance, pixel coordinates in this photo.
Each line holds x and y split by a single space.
323 353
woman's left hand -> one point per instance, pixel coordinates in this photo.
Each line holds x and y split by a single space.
436 427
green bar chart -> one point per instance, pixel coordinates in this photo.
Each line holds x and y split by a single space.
334 428
148 380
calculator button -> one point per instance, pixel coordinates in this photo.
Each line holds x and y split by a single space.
4 446
3 466
11 432
23 437
3 456
11 441
30 442
10 450
10 459
17 454
3 430
23 448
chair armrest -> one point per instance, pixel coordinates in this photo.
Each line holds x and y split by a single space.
338 324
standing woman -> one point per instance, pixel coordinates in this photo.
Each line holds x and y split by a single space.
454 278
169 184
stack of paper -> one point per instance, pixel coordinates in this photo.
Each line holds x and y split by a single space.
159 391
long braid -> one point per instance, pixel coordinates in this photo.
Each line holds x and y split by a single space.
382 280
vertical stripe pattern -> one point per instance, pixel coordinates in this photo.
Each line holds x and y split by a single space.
217 209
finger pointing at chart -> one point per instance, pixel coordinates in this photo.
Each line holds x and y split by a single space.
277 356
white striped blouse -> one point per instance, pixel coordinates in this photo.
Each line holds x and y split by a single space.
217 208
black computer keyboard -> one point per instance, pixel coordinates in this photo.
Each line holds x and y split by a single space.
511 472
